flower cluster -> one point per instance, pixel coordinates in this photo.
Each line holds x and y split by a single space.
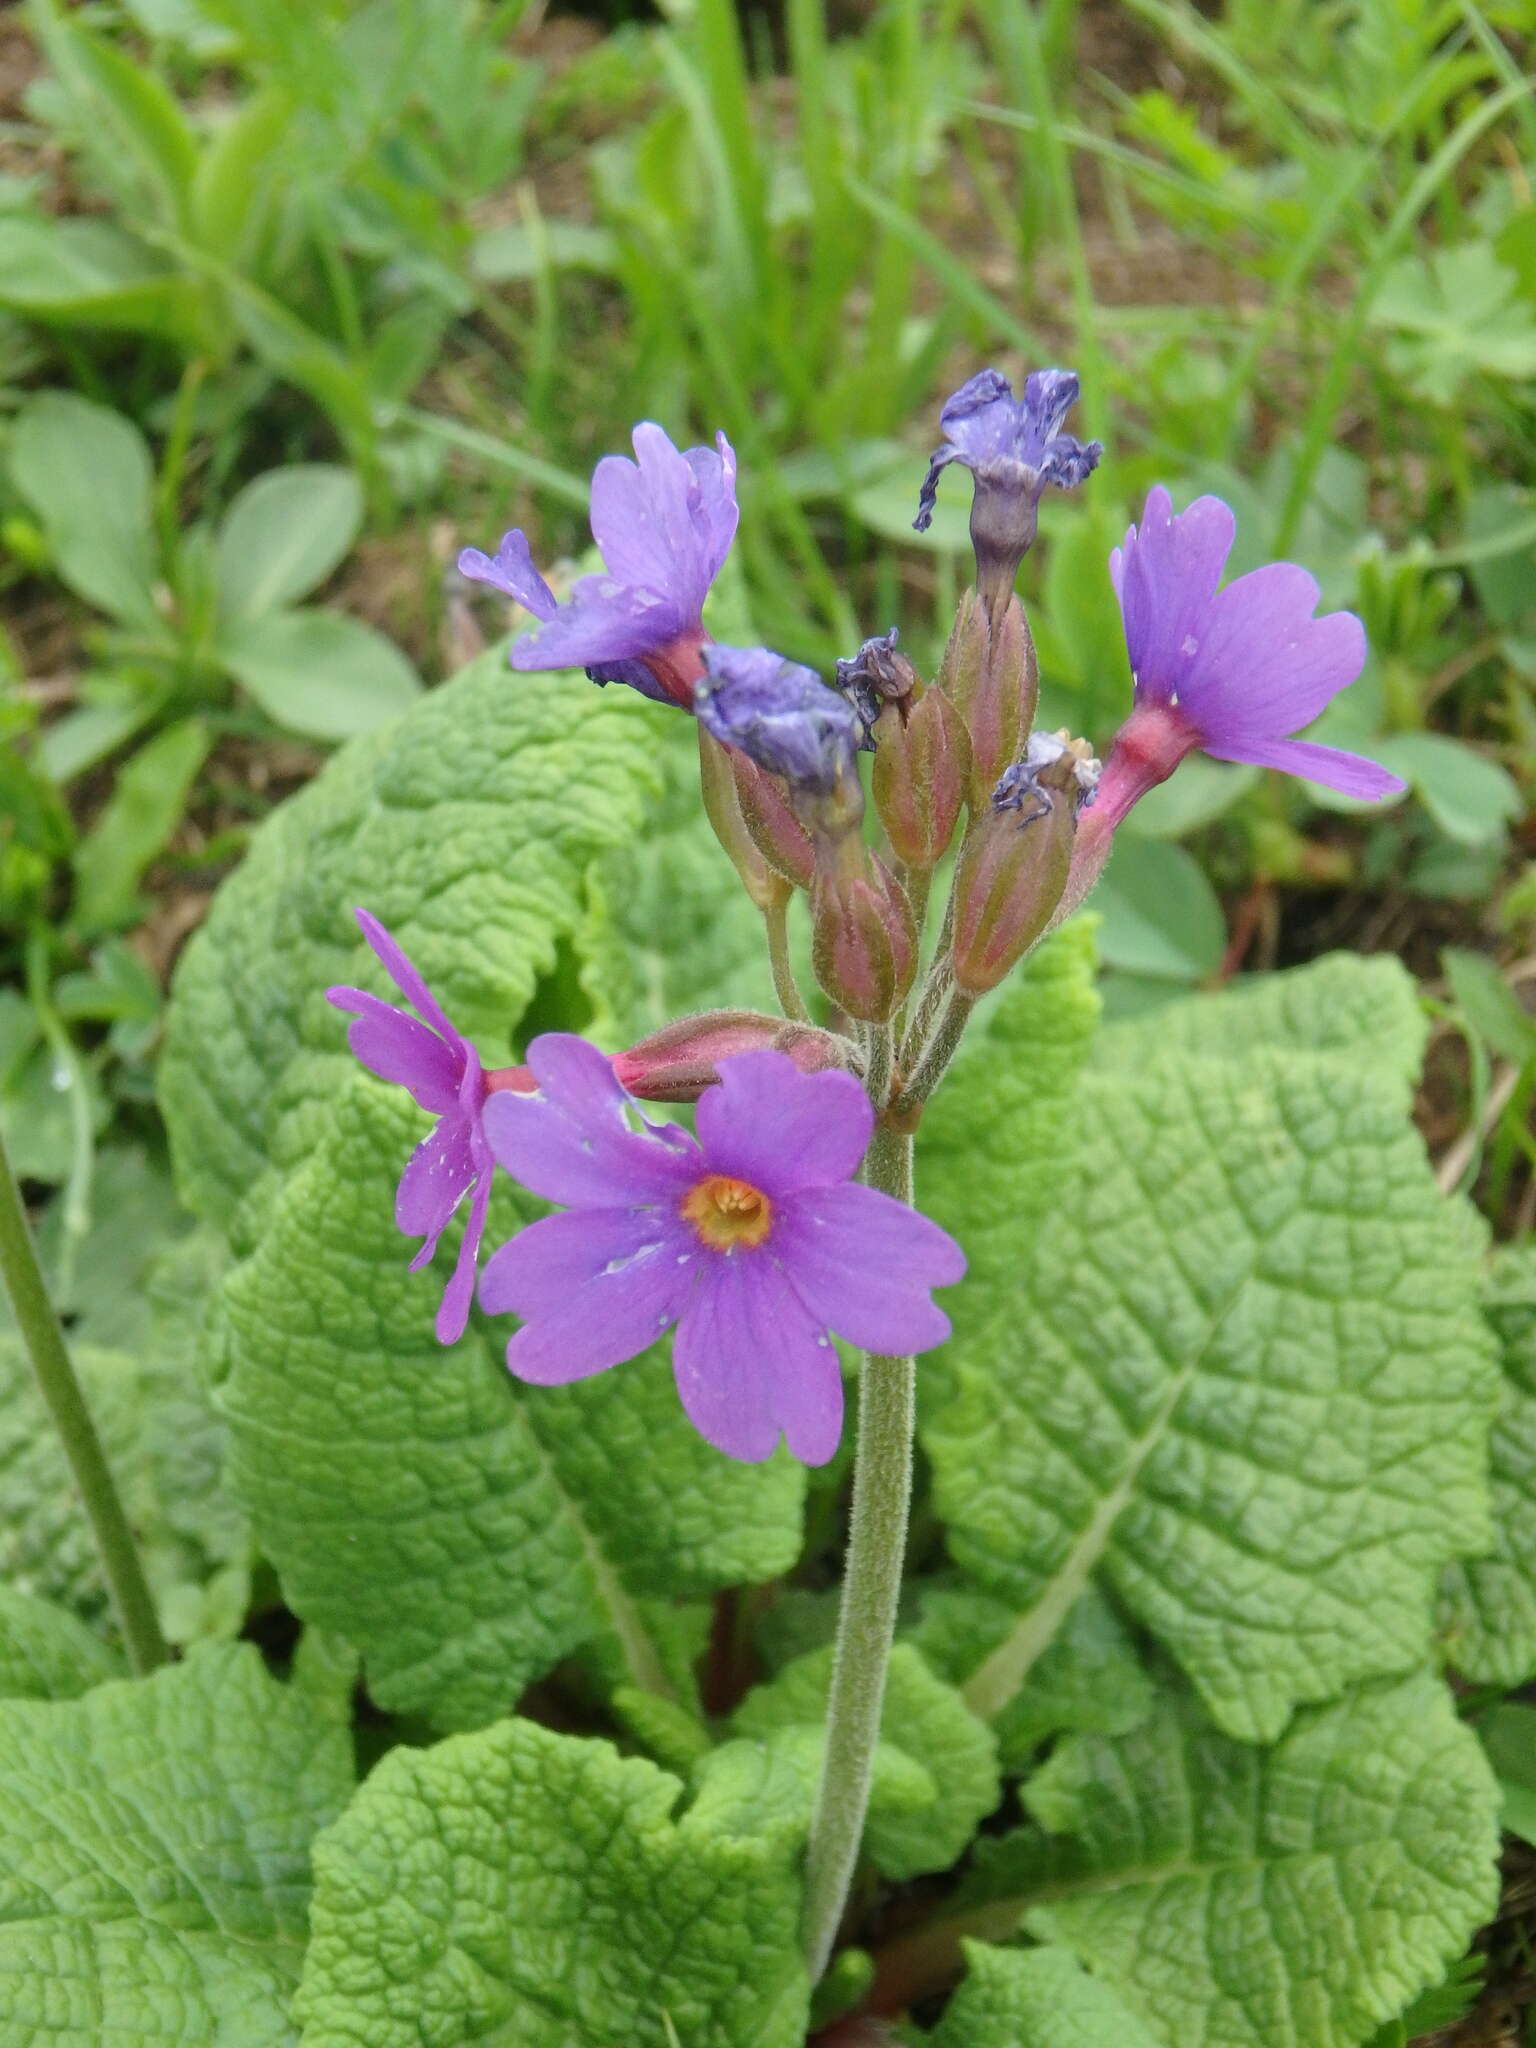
751 1239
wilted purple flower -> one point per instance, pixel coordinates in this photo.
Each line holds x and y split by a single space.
1013 448
442 1071
879 674
752 1239
1234 672
780 715
665 524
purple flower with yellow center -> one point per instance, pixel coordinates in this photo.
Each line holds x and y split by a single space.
1235 671
752 1239
664 524
1013 448
442 1071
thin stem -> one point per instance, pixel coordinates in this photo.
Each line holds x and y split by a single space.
877 1538
44 1341
929 1067
785 987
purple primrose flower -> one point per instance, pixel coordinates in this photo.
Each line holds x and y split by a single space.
1234 672
753 1239
442 1071
664 523
782 716
1013 448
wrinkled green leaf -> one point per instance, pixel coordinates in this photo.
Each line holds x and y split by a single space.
527 1887
1490 1601
1289 1898
47 1653
922 1718
85 471
469 828
284 535
154 1842
1240 1372
324 674
1035 1998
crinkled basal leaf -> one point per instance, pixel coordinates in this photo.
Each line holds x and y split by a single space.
524 1887
1035 1998
463 1530
766 1786
154 1856
1490 1603
922 1717
46 1653
1004 1130
166 1447
1363 1009
1243 1374
469 827
1241 1898
1090 1680
675 931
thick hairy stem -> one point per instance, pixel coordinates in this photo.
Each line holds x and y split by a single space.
877 1539
44 1342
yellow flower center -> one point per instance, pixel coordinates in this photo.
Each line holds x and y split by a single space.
727 1212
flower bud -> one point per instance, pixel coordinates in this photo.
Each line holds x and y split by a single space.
992 678
1016 860
863 936
717 781
775 831
677 1063
921 772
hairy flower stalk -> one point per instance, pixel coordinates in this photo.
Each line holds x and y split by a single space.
866 1625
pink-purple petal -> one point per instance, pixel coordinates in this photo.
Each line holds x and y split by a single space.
1265 666
392 959
864 1263
749 1362
605 622
767 1123
453 1310
1166 576
399 1048
571 1142
596 1287
433 1184
511 570
1350 774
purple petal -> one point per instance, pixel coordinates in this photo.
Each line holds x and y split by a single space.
1165 578
1265 666
433 1183
453 1310
1049 395
596 1285
928 496
404 975
398 1047
572 1143
749 1361
863 1264
647 519
513 572
605 623
714 471
767 1123
1350 774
